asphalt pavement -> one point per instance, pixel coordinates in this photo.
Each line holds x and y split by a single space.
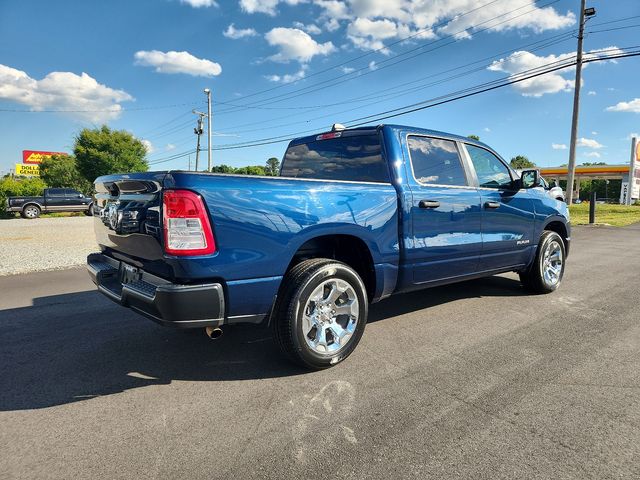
475 380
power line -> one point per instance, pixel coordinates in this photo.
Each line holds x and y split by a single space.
487 86
383 64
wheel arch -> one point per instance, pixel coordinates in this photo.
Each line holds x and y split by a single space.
347 248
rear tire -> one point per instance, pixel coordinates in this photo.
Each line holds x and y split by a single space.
30 212
321 313
547 270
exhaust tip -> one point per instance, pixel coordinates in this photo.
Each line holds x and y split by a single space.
213 332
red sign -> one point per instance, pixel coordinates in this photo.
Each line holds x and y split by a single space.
35 156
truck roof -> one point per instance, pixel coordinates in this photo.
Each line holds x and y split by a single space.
397 128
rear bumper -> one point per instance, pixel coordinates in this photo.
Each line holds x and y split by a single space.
169 304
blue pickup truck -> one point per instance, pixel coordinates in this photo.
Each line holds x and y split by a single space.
355 216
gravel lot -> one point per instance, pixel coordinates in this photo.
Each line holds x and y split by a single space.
44 244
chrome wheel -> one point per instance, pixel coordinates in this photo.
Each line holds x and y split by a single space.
552 263
330 316
31 212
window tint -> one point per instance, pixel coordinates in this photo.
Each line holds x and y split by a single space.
354 158
71 193
436 161
492 173
56 192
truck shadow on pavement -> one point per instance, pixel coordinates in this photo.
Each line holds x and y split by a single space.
74 347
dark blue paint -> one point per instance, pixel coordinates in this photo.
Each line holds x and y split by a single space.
260 222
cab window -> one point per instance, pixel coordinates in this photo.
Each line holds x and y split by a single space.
436 161
491 172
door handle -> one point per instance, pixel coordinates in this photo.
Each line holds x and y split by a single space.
429 204
491 204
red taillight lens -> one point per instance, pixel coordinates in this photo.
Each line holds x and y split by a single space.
187 229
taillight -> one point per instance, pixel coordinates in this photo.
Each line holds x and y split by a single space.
187 229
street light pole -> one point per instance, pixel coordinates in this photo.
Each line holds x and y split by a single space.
208 93
576 101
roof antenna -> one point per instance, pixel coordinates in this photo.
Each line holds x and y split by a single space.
337 127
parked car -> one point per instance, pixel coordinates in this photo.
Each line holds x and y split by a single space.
52 200
356 216
553 191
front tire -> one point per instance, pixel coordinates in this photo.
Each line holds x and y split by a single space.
547 270
30 212
321 313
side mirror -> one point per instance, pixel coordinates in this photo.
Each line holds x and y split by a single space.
80 195
530 179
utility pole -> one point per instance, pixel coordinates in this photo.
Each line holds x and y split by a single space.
208 93
584 13
198 131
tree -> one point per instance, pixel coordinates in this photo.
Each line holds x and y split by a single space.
62 171
222 169
102 151
272 167
521 162
250 170
474 137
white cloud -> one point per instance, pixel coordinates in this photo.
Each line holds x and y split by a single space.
594 133
311 28
294 44
558 146
487 129
589 143
523 61
631 106
236 33
177 62
633 134
265 6
591 92
368 34
592 154
373 65
148 146
63 91
200 3
169 147
347 69
288 78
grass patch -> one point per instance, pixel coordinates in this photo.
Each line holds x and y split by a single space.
616 215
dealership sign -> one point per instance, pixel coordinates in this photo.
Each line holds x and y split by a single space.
35 156
26 169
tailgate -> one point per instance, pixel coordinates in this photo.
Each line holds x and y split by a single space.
127 219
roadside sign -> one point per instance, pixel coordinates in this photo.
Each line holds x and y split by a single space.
26 169
36 156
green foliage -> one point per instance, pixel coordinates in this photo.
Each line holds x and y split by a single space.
19 187
102 151
222 169
520 162
62 171
272 167
249 170
474 137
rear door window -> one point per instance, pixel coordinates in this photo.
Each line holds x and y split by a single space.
436 161
351 158
55 192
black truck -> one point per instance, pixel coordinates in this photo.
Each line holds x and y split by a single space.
52 200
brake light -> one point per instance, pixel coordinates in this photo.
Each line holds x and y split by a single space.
186 225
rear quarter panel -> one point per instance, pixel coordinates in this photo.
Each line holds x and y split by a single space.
260 222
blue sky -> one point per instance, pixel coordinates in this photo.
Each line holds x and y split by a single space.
280 67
